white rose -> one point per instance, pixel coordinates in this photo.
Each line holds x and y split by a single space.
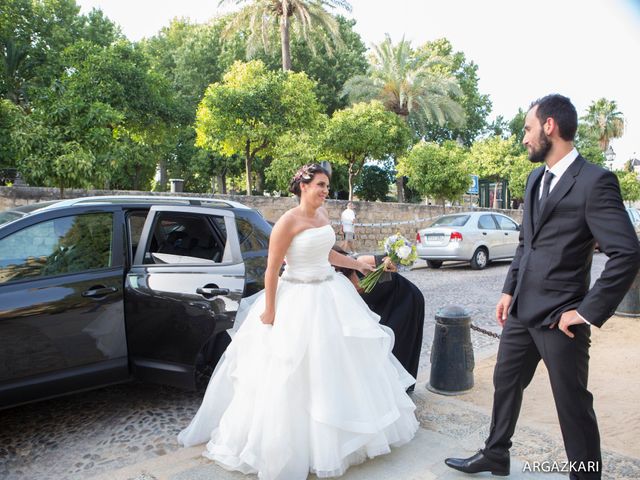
404 252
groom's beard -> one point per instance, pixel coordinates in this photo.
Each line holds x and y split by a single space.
539 155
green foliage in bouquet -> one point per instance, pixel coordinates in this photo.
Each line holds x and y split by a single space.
401 252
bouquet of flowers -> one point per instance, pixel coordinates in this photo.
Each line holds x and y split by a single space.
401 252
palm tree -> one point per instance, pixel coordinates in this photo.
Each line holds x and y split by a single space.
262 16
604 121
416 90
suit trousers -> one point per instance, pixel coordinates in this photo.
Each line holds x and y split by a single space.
567 361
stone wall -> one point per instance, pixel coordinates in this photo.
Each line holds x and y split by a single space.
374 220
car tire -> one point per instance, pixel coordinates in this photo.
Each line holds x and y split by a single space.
434 263
480 258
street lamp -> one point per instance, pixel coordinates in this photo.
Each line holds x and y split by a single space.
610 155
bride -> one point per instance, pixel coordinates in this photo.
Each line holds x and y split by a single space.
308 383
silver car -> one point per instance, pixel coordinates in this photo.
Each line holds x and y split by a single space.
475 237
634 216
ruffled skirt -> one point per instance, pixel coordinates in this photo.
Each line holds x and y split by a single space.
316 392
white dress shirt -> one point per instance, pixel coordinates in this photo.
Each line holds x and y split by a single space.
558 170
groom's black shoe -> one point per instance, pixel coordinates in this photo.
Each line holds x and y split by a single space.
479 463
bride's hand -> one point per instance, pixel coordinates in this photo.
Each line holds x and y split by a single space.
268 317
364 268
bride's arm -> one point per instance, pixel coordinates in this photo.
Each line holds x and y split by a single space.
339 260
279 241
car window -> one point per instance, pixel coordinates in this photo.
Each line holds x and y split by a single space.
252 239
185 238
55 247
451 221
135 223
485 222
506 223
8 216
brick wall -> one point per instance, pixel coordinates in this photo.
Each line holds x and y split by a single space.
374 220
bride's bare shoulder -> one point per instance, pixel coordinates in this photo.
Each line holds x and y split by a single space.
287 223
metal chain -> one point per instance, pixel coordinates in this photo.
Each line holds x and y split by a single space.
485 332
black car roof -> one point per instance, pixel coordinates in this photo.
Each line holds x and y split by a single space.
131 201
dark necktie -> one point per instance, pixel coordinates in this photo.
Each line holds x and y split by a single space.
546 185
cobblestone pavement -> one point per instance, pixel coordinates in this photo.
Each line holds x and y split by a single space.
86 434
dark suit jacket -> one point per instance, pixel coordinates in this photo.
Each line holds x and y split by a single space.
550 272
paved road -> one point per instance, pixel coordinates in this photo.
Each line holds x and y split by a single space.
86 434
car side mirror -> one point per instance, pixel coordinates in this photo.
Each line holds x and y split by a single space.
518 227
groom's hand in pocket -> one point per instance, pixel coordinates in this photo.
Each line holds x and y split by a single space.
567 319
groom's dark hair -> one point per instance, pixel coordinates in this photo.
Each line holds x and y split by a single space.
561 110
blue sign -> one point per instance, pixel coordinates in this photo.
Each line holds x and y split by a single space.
473 189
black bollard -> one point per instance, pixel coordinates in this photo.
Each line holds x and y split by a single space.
630 304
452 353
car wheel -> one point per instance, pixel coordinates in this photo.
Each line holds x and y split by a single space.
434 263
480 259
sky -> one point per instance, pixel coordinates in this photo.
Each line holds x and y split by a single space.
584 49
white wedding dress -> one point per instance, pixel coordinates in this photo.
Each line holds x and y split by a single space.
316 392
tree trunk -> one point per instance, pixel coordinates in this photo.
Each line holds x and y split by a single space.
284 37
136 176
248 166
260 180
400 188
400 180
218 184
163 176
223 183
350 181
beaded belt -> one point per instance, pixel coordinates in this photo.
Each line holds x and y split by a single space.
287 278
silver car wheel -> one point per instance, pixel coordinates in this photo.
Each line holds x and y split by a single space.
480 259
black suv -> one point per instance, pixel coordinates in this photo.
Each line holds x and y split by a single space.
100 290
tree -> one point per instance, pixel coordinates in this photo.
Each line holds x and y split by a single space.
604 121
365 131
588 145
251 108
14 145
491 158
496 158
262 17
111 129
519 171
373 183
330 69
33 38
412 89
516 128
436 171
291 152
629 185
476 106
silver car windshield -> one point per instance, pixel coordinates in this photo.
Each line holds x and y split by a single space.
451 221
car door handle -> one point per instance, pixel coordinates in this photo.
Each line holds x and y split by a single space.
212 292
484 233
506 233
99 291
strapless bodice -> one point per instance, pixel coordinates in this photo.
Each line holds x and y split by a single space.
307 259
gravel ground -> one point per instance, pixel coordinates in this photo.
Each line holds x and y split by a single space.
86 434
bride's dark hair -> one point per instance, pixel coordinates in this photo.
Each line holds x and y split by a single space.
305 175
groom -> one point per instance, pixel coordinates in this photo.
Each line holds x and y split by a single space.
547 309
